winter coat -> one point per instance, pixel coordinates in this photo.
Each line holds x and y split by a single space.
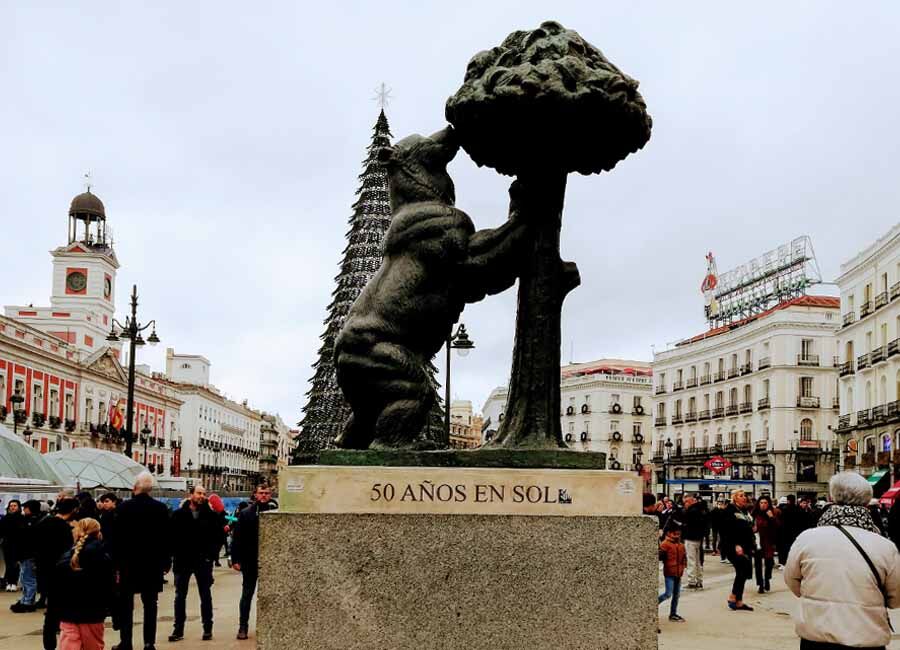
84 596
245 540
140 545
673 556
195 541
12 530
737 530
767 531
717 518
839 600
696 522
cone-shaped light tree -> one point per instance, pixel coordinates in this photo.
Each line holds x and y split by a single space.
543 104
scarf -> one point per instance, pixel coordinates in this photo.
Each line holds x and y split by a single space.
856 516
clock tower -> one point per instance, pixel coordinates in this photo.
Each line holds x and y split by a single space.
82 301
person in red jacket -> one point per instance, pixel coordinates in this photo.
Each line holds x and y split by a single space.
674 558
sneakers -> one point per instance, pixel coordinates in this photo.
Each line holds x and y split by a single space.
11 588
242 635
176 636
675 618
19 607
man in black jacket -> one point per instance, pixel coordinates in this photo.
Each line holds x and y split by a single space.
245 551
52 538
140 552
696 525
197 537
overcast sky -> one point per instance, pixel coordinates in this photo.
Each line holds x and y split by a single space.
226 138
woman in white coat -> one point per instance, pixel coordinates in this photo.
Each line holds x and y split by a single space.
844 600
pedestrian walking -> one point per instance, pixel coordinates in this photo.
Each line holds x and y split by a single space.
140 554
84 582
845 574
738 545
107 516
11 527
716 521
245 552
674 558
218 507
765 525
53 537
26 552
696 525
197 534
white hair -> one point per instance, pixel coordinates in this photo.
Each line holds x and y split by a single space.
849 489
143 483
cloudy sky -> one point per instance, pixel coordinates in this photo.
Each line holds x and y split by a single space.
226 138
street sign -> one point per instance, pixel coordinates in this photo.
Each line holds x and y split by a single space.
717 464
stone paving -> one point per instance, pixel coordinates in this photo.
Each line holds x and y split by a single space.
23 631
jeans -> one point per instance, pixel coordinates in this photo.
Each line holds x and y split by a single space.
673 588
759 562
126 616
694 561
248 588
29 581
743 569
203 574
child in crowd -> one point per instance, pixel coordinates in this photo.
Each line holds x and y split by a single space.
674 558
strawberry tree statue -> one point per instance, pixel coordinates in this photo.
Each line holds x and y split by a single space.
543 104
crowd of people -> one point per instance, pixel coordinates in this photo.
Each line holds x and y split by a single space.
83 561
838 556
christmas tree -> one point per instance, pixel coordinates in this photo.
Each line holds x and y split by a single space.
326 410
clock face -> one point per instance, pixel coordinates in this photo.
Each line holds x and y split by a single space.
76 281
107 288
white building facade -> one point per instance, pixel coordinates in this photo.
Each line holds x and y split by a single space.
869 344
761 393
606 407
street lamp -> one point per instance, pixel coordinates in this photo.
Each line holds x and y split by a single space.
27 434
460 342
132 331
16 400
638 457
668 447
145 432
190 464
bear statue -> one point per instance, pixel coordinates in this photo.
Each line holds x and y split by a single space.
434 263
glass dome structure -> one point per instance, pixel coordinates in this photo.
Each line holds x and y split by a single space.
91 468
18 460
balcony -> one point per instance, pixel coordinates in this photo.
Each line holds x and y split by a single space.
865 309
878 355
660 390
719 376
718 413
761 445
763 404
734 372
862 362
844 423
660 421
678 385
846 368
764 363
895 290
808 402
743 447
807 359
731 409
677 419
704 415
657 457
691 417
746 407
893 348
862 417
881 300
705 379
849 319
878 413
746 369
892 410
691 383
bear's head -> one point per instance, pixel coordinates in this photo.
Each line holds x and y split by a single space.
417 168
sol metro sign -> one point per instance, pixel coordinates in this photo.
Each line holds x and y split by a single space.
717 464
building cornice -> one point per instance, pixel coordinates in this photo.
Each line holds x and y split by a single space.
857 263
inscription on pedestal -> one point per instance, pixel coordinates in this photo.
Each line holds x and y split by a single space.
430 490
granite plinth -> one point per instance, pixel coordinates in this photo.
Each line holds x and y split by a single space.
467 582
482 457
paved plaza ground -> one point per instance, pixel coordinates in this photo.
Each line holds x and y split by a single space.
710 624
23 631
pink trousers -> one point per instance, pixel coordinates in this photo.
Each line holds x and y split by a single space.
81 636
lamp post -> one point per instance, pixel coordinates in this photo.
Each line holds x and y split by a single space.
132 331
637 458
26 433
145 432
668 447
460 342
16 399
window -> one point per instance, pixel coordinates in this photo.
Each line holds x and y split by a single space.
867 293
89 410
661 408
745 439
748 357
54 401
186 366
37 399
720 400
614 399
693 372
692 405
884 283
101 413
733 397
613 426
851 303
765 387
680 376
748 393
636 428
693 442
806 348
637 401
721 365
732 437
806 429
806 386
706 438
678 408
765 430
587 428
706 402
868 341
734 361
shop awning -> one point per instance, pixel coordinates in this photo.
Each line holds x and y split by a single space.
888 497
877 476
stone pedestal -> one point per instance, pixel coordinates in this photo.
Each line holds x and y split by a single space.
435 580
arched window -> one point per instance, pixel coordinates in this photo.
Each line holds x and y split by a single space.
806 429
733 397
748 393
706 438
693 442
733 438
